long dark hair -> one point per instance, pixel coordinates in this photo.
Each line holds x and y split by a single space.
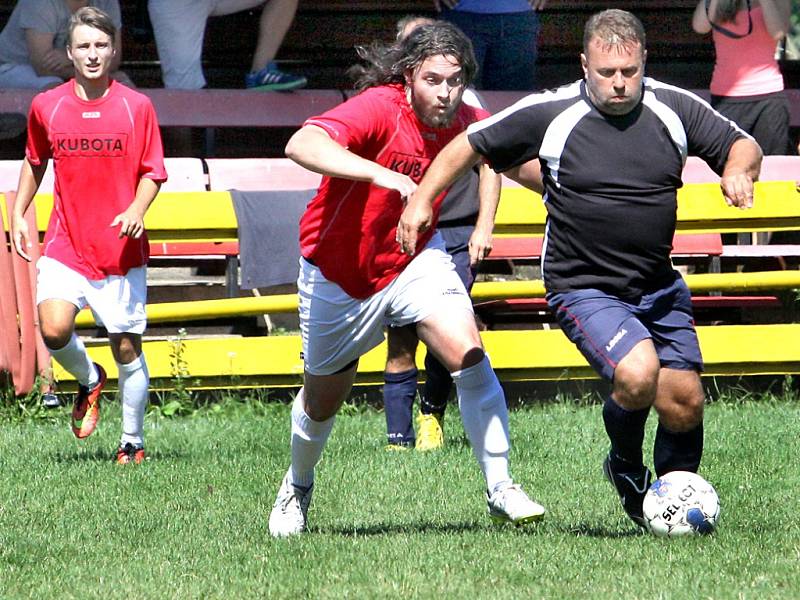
388 63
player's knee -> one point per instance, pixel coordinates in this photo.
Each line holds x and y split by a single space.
682 412
55 337
471 356
125 347
635 384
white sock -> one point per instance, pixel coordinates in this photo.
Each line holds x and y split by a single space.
74 358
485 418
134 382
308 440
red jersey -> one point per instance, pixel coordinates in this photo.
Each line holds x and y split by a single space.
100 149
348 229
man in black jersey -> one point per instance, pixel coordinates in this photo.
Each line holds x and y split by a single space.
611 149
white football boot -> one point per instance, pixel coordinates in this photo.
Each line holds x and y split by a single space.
511 505
288 516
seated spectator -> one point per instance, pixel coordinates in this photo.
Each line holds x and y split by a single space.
505 36
33 44
179 27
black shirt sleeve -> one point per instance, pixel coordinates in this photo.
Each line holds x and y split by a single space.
709 135
514 136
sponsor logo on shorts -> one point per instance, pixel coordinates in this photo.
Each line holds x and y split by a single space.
452 292
91 144
619 335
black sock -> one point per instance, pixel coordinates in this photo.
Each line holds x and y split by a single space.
679 451
399 392
625 429
437 387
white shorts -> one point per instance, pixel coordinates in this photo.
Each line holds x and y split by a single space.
179 27
117 302
337 329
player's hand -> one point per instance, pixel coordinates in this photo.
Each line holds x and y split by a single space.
21 237
737 190
416 218
131 224
439 4
480 245
537 4
392 180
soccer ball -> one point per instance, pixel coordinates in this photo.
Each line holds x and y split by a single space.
680 503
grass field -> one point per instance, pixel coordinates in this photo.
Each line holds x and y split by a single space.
192 521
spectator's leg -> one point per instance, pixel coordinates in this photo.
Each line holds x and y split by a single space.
771 125
179 27
24 77
474 27
276 18
511 59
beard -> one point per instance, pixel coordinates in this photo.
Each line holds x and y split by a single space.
432 116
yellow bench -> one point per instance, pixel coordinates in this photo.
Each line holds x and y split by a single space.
274 361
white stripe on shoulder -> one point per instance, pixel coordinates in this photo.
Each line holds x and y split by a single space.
54 111
563 93
655 85
555 137
671 121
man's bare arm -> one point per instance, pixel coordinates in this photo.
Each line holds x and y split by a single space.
450 164
45 59
741 170
480 242
131 221
312 148
528 175
30 178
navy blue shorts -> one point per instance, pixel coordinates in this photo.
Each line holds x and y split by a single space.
605 328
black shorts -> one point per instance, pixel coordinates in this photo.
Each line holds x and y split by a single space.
765 117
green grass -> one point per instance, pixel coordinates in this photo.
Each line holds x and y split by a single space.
192 521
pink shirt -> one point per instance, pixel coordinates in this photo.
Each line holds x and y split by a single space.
745 66
348 229
100 150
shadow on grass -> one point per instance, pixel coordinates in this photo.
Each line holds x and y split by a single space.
579 530
399 528
597 531
103 455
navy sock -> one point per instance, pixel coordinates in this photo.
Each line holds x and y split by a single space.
399 392
680 451
625 429
438 384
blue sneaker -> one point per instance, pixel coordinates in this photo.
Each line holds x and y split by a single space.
270 78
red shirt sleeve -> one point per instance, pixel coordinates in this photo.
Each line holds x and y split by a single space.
152 162
354 123
37 147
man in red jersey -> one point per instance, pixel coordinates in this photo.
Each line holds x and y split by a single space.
354 279
104 141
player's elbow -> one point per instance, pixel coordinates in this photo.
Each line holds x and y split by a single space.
292 147
300 143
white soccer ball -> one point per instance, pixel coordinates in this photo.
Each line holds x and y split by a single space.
681 503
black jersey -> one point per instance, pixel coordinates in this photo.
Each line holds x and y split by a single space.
610 181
